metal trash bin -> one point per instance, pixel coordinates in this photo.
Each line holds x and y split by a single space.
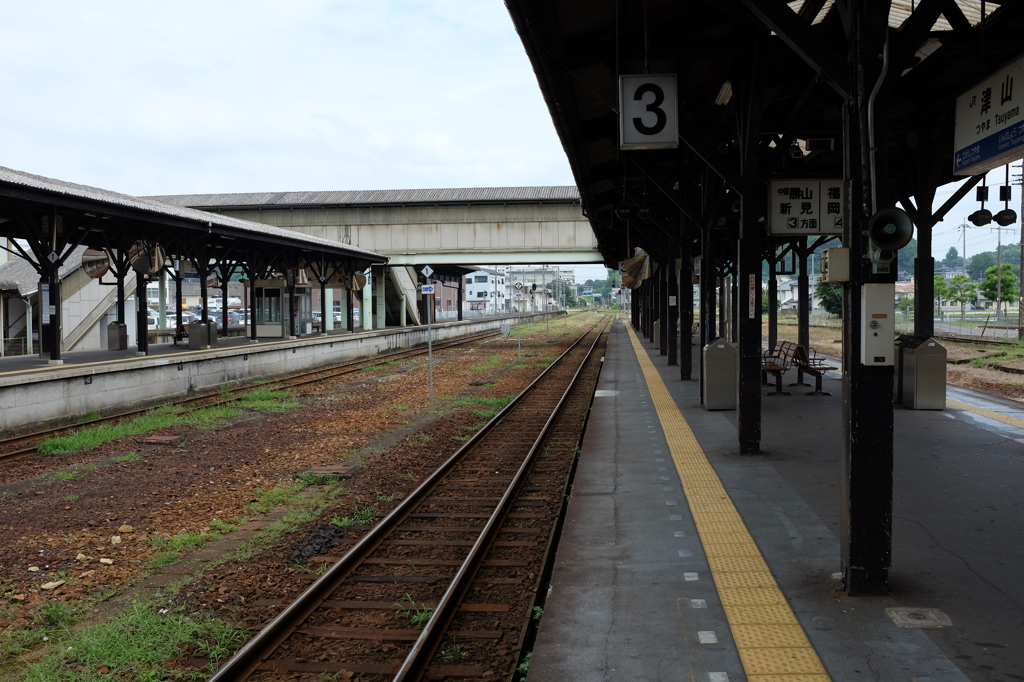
198 335
924 375
211 338
117 336
902 341
721 375
657 334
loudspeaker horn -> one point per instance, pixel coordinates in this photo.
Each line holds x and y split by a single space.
891 228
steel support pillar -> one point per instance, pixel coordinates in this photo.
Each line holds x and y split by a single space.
670 330
867 443
924 286
773 306
663 289
685 290
749 254
803 304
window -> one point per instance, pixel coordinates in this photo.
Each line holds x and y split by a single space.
481 278
481 294
469 280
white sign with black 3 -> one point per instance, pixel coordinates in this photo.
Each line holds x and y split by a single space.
648 114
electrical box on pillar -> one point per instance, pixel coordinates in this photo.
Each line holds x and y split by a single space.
878 323
889 230
835 265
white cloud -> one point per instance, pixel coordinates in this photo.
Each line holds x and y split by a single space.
272 95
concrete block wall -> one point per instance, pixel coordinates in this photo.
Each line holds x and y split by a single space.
68 391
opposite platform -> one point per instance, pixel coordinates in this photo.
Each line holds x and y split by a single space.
645 589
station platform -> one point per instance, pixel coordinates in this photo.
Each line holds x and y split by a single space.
34 391
683 560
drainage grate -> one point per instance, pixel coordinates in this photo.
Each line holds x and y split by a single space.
918 618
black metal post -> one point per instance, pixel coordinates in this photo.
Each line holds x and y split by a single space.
685 289
803 292
747 283
663 289
867 451
670 330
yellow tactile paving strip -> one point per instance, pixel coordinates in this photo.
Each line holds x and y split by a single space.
771 643
1012 421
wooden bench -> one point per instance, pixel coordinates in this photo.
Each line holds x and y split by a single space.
777 362
807 360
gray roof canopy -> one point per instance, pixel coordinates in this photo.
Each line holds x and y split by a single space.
93 217
379 197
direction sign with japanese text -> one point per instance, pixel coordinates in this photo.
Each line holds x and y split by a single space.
804 207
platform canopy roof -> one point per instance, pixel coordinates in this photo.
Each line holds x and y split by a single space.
936 50
99 218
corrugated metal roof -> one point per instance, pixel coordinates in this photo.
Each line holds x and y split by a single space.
379 197
152 205
900 11
18 274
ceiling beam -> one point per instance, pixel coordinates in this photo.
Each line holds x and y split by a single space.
792 31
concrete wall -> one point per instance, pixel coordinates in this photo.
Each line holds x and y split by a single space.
394 230
104 387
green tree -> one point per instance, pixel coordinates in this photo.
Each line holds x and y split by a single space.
952 259
941 292
905 256
764 301
1002 287
906 305
831 296
979 263
961 290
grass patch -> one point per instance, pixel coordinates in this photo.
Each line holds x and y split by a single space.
461 439
307 478
491 363
362 515
180 542
61 476
127 457
265 400
418 617
485 414
163 559
222 527
269 499
496 403
136 645
91 438
88 417
420 438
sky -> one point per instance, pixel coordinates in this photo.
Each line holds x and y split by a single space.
289 95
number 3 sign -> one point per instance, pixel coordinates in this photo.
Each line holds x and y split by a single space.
648 115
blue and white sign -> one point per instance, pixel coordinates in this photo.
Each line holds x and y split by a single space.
426 288
989 126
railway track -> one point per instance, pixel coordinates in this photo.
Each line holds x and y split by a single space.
25 444
444 584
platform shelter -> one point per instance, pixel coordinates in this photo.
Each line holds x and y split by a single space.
708 137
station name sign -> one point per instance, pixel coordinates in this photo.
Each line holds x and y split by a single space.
805 207
989 128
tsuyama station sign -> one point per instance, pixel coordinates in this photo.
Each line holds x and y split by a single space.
989 124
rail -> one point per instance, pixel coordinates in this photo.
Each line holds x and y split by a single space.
527 418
